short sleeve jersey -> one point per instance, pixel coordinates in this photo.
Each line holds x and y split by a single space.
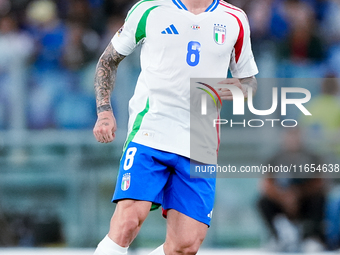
178 45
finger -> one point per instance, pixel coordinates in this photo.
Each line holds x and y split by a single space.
101 138
106 136
225 90
229 81
227 98
226 93
96 135
109 137
232 81
100 135
113 132
239 85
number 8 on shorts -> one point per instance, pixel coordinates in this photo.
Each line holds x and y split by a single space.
129 157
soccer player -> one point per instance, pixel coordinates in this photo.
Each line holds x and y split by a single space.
180 39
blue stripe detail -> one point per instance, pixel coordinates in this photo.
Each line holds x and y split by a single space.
213 6
174 29
179 4
163 32
217 3
183 6
174 1
210 8
168 30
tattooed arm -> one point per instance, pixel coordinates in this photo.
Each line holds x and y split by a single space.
104 82
244 84
105 77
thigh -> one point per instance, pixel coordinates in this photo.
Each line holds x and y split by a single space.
135 209
142 174
193 197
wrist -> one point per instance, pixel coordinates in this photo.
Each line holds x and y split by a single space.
104 108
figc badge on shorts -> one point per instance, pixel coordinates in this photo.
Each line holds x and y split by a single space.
219 33
126 182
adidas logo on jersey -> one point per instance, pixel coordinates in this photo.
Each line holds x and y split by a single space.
170 30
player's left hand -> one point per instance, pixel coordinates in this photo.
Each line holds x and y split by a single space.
225 93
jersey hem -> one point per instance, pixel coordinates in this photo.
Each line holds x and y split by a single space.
177 208
174 150
245 74
157 203
157 146
119 47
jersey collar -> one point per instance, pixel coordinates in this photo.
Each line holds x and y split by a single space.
210 8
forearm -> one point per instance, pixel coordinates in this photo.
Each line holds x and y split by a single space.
105 77
249 82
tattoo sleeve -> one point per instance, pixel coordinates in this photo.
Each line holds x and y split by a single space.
105 77
250 82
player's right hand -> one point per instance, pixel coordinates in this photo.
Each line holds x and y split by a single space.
225 93
105 127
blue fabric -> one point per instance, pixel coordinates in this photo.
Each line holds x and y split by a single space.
164 178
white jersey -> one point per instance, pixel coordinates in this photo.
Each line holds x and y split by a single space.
178 45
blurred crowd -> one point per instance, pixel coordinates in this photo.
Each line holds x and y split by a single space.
306 34
51 48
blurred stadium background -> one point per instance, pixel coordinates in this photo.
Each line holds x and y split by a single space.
56 181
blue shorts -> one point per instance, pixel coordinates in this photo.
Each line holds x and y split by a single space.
163 178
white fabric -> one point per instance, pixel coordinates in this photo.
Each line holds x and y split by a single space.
109 247
158 251
168 63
